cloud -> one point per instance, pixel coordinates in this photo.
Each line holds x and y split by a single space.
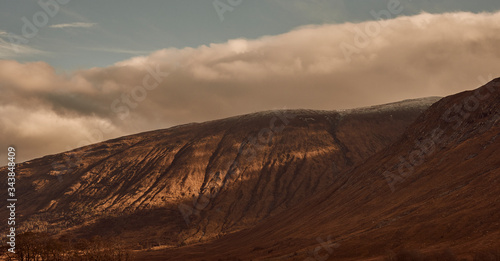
119 50
42 131
317 67
73 25
10 47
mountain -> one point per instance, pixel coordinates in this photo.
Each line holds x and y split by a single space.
201 181
435 189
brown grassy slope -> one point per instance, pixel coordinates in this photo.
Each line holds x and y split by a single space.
449 200
131 187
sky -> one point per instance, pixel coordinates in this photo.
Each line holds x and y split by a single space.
106 32
74 73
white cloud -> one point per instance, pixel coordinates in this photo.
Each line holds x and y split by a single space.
74 25
409 57
41 128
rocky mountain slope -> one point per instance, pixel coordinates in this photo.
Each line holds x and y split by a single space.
436 188
201 181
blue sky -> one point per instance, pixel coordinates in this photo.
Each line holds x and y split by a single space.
111 31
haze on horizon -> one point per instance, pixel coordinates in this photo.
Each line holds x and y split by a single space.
49 104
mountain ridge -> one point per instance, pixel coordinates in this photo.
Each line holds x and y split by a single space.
448 201
167 176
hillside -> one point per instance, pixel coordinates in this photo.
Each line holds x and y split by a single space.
436 188
201 181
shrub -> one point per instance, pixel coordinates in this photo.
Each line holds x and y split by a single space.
41 247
